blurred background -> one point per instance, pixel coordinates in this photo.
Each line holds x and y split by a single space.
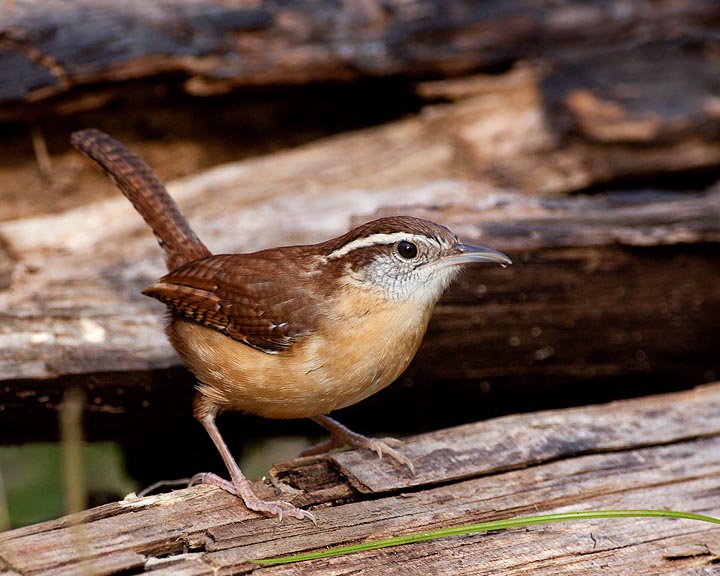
579 137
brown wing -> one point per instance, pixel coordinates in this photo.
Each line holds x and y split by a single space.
257 300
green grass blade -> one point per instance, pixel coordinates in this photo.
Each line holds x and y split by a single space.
483 527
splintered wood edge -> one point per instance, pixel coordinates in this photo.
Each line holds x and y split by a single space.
510 442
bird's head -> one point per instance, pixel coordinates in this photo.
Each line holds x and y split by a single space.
405 257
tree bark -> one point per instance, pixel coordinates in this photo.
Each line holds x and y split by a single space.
214 45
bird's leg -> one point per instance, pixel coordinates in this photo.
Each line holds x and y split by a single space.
238 484
342 436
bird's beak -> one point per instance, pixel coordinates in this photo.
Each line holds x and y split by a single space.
467 254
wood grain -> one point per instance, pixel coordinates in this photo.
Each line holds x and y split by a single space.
657 452
216 45
553 435
73 306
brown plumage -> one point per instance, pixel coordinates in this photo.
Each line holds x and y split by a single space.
271 298
236 296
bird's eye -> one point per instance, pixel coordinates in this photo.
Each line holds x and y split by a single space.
407 249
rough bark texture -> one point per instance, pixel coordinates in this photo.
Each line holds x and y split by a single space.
60 46
658 452
624 92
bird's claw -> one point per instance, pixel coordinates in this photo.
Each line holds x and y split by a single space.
277 508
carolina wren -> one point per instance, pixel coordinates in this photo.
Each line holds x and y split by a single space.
295 331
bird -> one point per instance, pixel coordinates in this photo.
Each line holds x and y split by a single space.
291 331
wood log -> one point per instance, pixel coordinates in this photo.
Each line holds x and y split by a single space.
630 101
215 45
658 452
619 288
589 123
616 119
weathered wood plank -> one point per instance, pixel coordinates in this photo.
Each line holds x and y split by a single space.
611 117
72 306
581 485
216 45
637 115
669 460
485 447
77 310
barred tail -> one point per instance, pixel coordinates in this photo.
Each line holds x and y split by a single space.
137 181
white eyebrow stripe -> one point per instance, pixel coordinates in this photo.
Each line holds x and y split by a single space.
380 238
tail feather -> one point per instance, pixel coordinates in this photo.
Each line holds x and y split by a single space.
148 195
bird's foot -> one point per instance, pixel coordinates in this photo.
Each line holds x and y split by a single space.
341 436
243 491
